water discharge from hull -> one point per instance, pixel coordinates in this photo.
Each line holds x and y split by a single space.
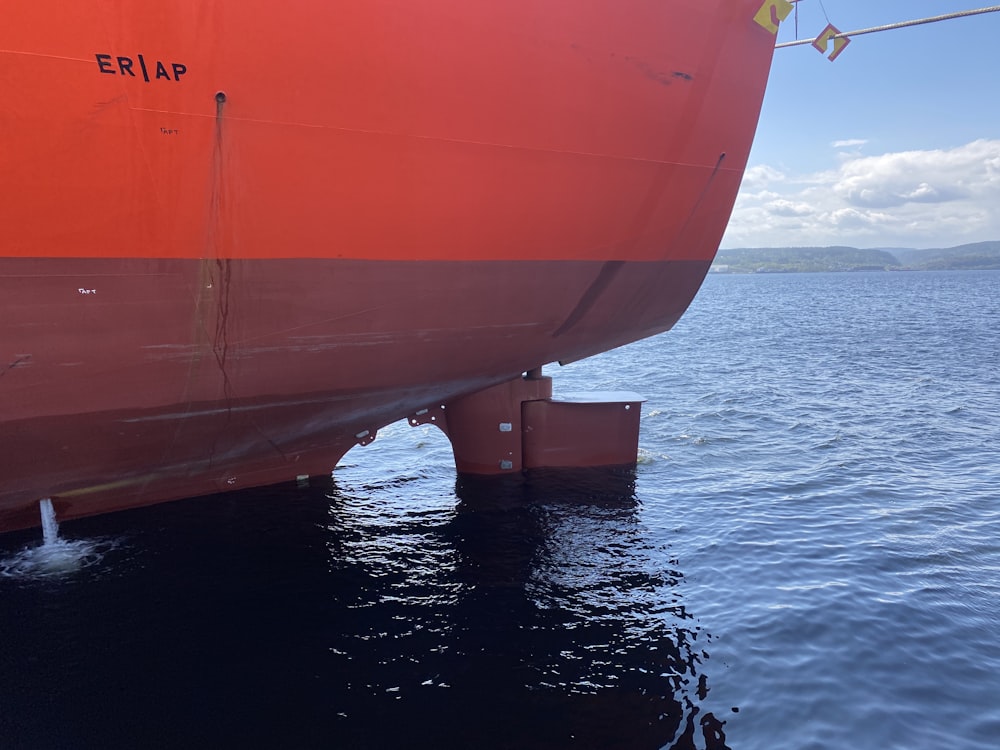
54 557
50 526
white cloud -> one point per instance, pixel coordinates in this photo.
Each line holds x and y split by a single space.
849 143
760 176
785 207
930 198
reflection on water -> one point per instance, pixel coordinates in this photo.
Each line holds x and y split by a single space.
510 615
525 616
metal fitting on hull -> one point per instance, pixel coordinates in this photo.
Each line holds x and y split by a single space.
517 425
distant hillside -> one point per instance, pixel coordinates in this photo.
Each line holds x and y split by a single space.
976 256
799 259
979 255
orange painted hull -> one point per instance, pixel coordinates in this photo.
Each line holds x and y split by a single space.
237 234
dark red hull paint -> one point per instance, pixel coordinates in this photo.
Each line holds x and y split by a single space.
202 376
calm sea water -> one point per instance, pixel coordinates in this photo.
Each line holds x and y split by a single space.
807 557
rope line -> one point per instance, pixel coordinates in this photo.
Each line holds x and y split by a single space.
891 26
823 8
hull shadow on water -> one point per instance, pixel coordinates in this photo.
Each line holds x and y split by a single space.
513 615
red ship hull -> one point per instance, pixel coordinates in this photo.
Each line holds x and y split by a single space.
237 237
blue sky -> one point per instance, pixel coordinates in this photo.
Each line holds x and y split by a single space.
896 143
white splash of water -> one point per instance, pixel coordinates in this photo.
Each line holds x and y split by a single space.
55 556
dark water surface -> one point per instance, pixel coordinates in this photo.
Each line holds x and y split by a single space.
808 557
